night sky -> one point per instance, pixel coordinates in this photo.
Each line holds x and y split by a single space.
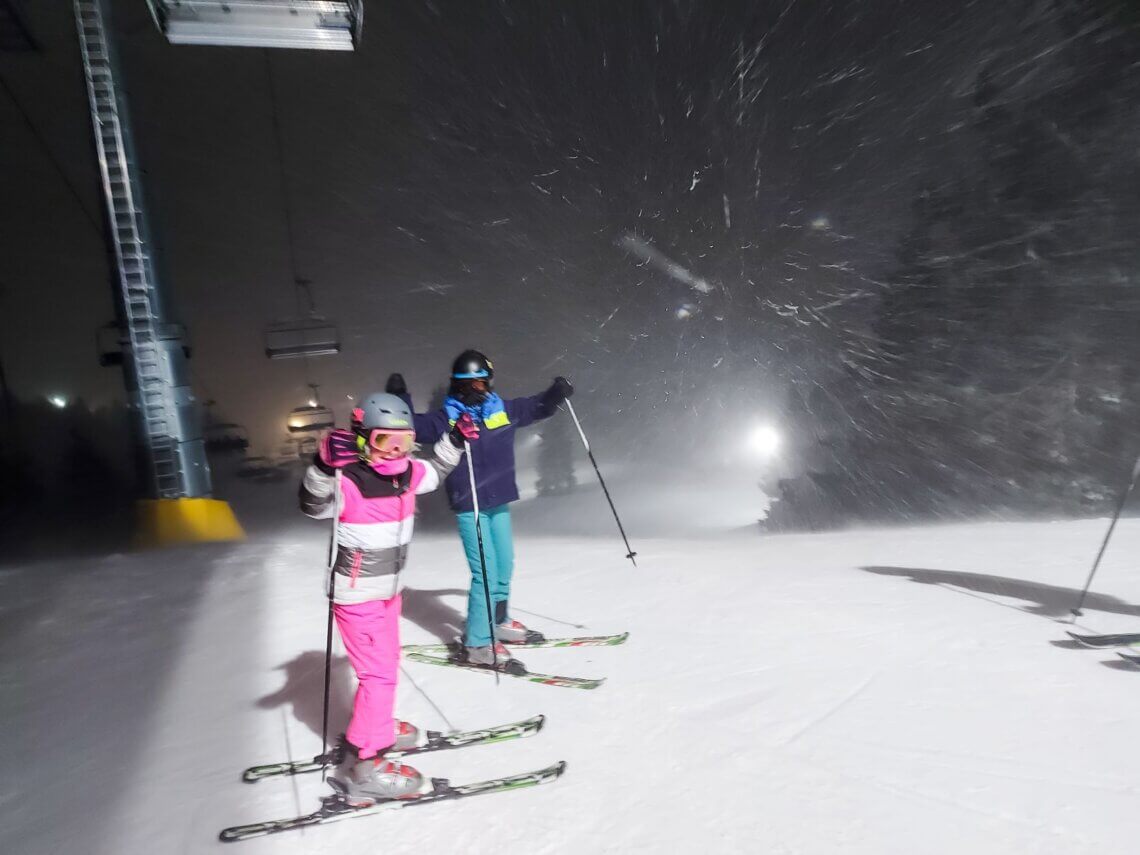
491 174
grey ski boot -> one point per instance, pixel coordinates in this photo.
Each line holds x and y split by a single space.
376 779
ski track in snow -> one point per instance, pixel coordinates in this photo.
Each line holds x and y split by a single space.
773 696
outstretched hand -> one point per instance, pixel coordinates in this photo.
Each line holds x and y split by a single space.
338 449
561 388
396 385
464 430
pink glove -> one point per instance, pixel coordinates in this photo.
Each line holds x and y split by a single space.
338 449
464 429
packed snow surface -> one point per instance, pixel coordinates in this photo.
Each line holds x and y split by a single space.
878 691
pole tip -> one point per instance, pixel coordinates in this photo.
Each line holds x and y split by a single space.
1077 612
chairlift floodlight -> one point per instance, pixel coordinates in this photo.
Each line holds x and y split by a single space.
311 24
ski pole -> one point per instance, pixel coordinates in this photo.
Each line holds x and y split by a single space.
628 550
334 547
482 559
1108 534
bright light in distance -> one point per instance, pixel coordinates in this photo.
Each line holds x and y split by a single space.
765 441
57 401
312 402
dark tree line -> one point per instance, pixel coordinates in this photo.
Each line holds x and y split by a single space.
1006 369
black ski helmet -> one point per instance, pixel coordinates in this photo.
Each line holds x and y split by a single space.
471 365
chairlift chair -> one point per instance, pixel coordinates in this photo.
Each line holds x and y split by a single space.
312 335
311 418
226 436
312 24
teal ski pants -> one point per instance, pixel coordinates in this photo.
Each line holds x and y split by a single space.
499 552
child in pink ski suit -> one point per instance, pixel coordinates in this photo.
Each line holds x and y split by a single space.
378 485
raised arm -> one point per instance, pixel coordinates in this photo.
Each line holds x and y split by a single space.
337 450
429 426
533 408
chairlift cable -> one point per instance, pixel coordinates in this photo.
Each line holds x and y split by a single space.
286 205
50 155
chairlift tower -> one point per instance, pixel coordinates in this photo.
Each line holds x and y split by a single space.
154 359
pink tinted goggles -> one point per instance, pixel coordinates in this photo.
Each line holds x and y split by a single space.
392 441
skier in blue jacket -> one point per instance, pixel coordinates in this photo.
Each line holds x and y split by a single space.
472 392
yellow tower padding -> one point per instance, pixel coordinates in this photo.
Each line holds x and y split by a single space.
165 522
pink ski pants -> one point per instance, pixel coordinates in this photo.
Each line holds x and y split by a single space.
371 635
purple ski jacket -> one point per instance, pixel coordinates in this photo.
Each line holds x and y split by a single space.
493 455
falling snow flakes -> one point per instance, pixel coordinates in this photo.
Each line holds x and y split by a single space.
410 234
839 77
641 248
439 288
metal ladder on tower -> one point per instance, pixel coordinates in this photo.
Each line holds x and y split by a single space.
132 254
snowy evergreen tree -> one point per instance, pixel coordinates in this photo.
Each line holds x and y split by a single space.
556 457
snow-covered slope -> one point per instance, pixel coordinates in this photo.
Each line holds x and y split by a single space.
795 694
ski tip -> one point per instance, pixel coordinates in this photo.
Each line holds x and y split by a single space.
560 768
539 722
